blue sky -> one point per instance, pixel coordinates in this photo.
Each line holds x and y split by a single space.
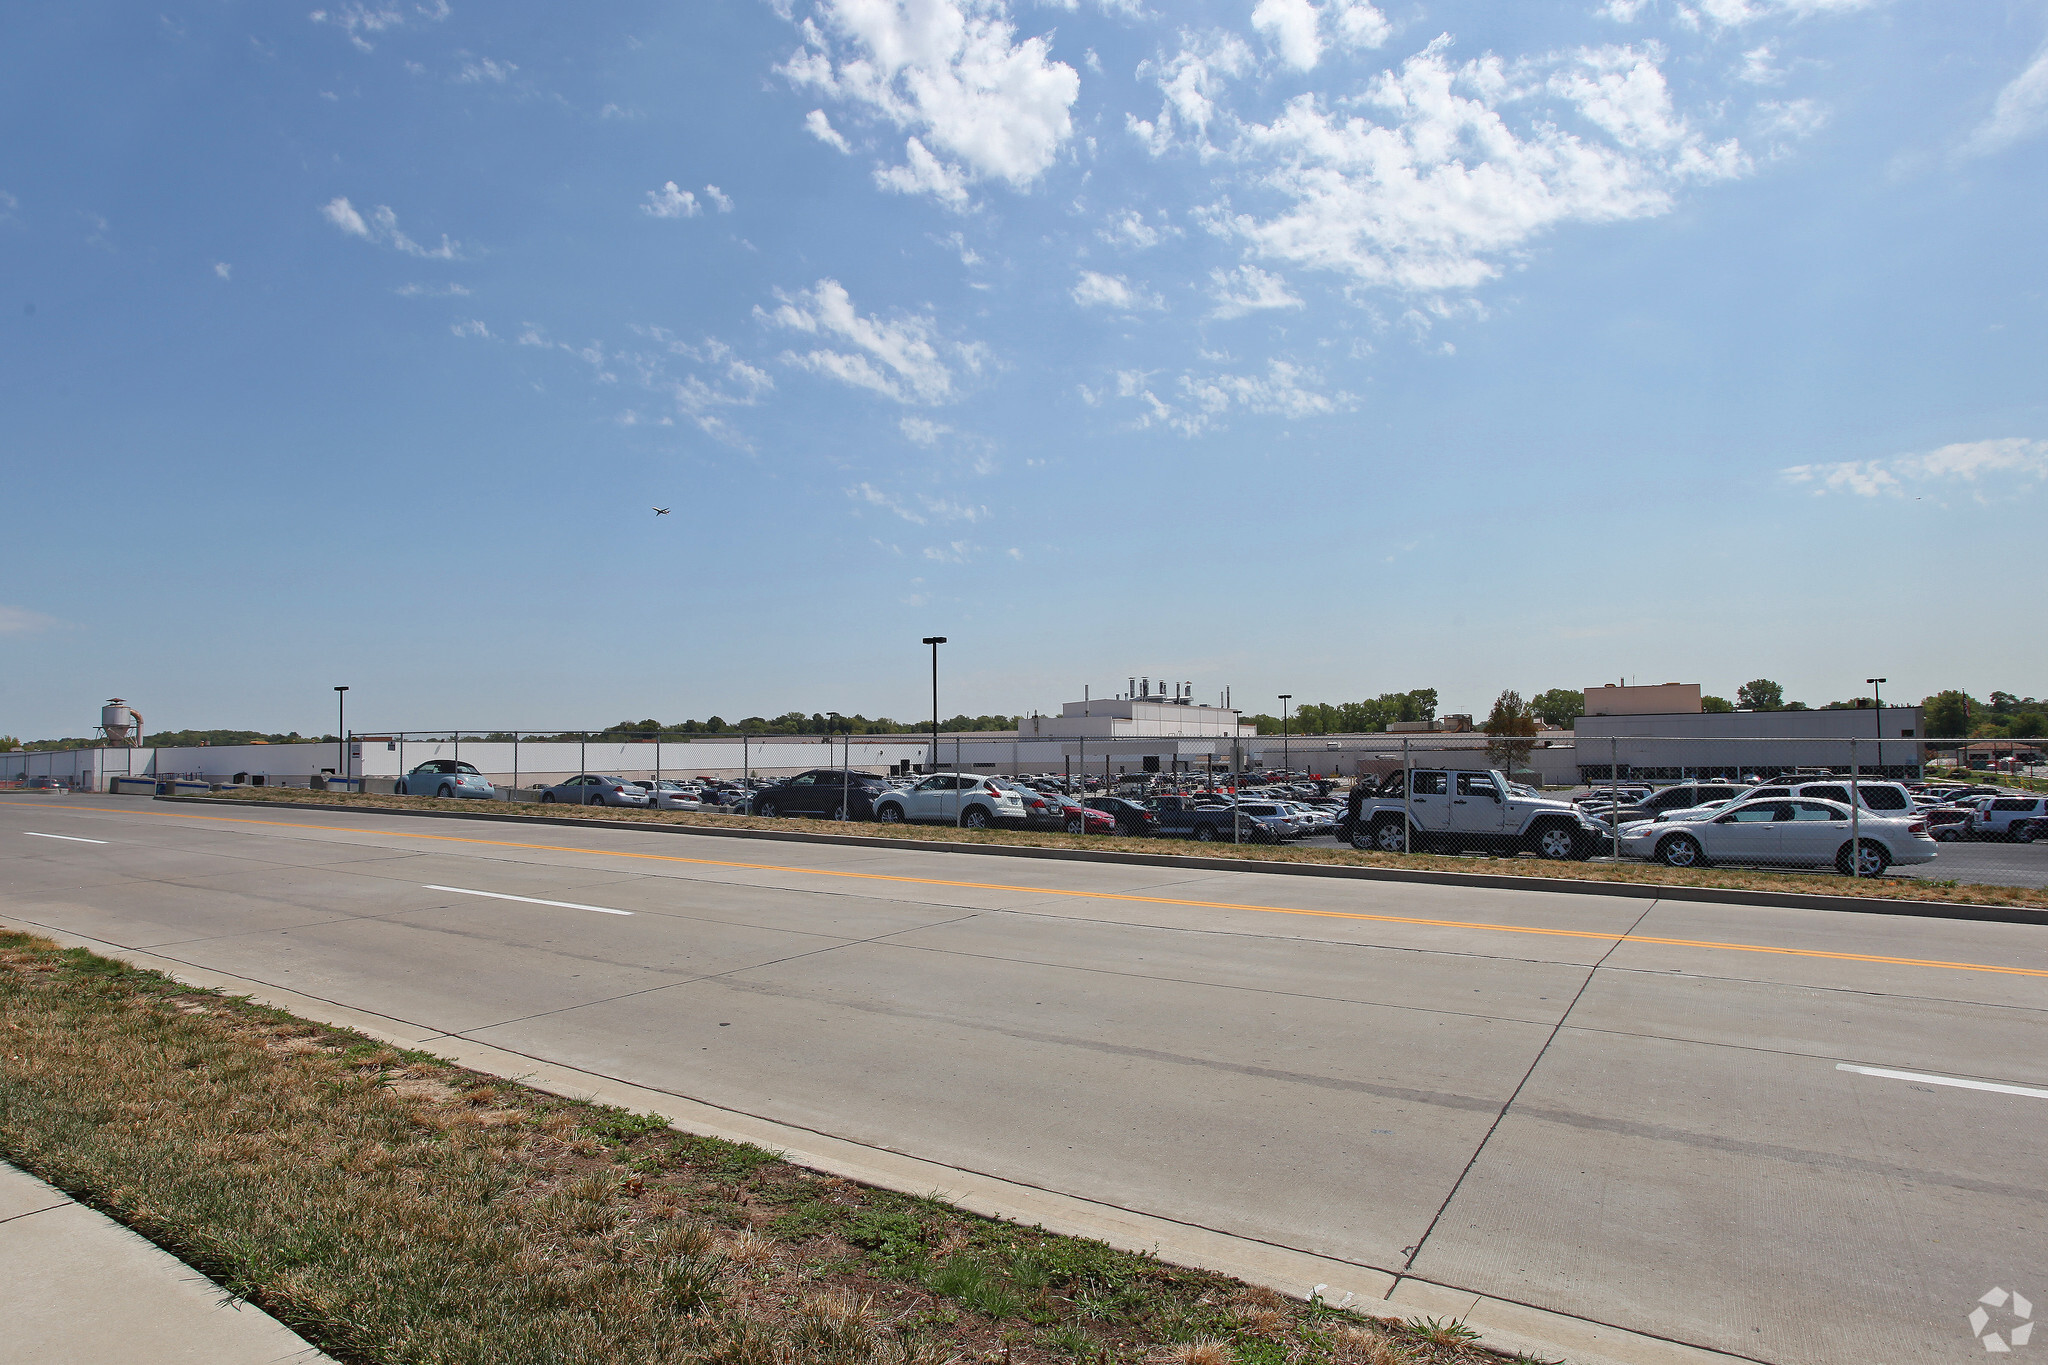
1313 346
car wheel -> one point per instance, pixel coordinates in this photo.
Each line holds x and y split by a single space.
2023 834
890 815
398 787
1389 837
974 817
1947 835
1871 861
446 790
1556 843
838 813
1681 850
547 798
766 809
1076 827
1205 834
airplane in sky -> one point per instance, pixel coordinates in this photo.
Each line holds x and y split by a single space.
661 511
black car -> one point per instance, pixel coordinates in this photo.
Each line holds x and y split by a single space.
822 793
1130 817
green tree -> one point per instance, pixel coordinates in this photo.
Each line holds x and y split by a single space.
1560 706
1760 695
2029 725
1949 713
1512 726
1716 705
8 743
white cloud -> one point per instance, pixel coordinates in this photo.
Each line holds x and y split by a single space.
20 621
957 241
1192 81
1435 195
1294 28
904 359
718 198
224 270
1290 26
1094 290
821 128
382 227
473 328
1734 13
670 202
2010 459
1200 402
2020 111
978 102
356 20
923 173
343 215
1756 68
923 431
9 208
1621 11
1248 289
431 291
1129 228
1791 118
953 552
476 70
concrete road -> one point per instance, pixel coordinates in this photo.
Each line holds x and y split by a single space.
1635 1112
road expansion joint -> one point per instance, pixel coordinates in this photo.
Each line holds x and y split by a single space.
1494 1127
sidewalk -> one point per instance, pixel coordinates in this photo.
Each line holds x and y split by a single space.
77 1288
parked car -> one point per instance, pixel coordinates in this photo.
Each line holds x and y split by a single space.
823 793
1947 823
967 799
588 789
1679 796
1781 832
1130 818
669 794
1886 799
444 777
2003 817
1468 810
1076 817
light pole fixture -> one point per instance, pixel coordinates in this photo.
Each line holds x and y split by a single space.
341 733
1877 706
845 777
935 641
1286 763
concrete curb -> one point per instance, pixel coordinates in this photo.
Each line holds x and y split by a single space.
1869 905
1504 1325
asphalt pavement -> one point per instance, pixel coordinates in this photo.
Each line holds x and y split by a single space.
1790 1135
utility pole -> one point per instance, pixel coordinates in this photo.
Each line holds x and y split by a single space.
1877 705
1286 763
935 641
341 734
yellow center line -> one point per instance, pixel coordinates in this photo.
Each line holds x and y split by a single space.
1130 897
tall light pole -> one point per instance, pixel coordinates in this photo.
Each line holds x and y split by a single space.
845 778
1286 764
935 641
1877 705
341 733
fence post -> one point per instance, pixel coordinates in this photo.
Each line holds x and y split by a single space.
1407 806
1855 818
1614 792
515 766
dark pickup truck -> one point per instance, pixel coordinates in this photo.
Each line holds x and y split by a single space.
1207 821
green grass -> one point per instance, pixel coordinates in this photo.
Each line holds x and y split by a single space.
396 1209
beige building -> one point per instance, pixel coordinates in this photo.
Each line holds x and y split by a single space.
1653 699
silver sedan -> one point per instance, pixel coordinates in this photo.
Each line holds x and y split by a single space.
588 789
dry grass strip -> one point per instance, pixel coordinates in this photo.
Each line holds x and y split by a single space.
394 1208
1641 874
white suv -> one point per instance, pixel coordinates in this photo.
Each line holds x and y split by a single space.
967 799
1890 800
2007 817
